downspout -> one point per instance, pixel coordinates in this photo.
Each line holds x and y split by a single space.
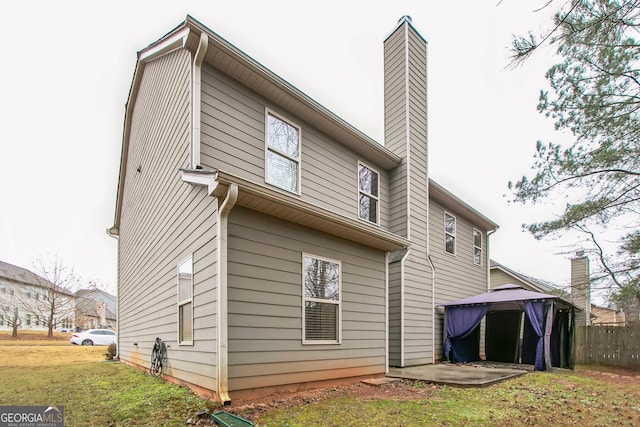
196 93
433 307
488 259
223 351
113 233
402 261
386 312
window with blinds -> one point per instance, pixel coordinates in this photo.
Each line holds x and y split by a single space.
322 300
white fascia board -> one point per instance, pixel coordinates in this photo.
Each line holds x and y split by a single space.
164 46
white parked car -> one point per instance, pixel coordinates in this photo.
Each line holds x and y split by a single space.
94 337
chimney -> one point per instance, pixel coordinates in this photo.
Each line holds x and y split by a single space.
405 131
581 288
101 309
405 124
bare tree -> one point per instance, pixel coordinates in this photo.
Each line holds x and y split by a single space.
51 298
10 316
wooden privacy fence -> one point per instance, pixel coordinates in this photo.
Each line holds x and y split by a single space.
617 346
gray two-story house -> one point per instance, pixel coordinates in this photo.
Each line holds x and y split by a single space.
268 242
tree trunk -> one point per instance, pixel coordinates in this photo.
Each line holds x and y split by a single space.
14 333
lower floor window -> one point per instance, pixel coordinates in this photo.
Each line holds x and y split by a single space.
322 300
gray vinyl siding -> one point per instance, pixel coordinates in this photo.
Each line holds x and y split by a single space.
395 129
233 140
395 314
265 305
163 221
499 278
457 276
418 299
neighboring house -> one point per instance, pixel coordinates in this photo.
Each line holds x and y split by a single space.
579 291
268 242
24 299
95 308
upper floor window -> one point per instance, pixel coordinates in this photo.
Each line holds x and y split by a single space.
477 247
449 233
282 154
185 301
3 288
368 191
322 300
28 291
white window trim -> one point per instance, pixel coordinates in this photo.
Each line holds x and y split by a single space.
454 234
180 303
377 198
305 341
267 113
473 236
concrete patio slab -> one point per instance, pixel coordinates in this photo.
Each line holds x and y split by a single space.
460 375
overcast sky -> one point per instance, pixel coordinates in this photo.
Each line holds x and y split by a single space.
67 67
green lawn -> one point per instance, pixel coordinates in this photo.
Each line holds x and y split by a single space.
99 393
93 392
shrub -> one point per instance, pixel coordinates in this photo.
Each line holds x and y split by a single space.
111 352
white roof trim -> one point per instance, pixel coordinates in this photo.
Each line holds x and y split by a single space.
207 179
174 41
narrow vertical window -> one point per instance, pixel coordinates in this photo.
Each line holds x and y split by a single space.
185 301
449 233
282 154
368 191
477 247
27 320
321 300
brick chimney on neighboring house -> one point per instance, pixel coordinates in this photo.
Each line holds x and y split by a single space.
581 288
101 310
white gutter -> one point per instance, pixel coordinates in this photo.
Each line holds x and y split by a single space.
223 351
196 93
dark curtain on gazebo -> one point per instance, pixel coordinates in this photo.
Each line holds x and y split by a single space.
535 313
461 322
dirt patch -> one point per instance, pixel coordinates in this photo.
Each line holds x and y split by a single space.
252 409
611 375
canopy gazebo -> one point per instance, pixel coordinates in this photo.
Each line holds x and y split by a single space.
521 327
